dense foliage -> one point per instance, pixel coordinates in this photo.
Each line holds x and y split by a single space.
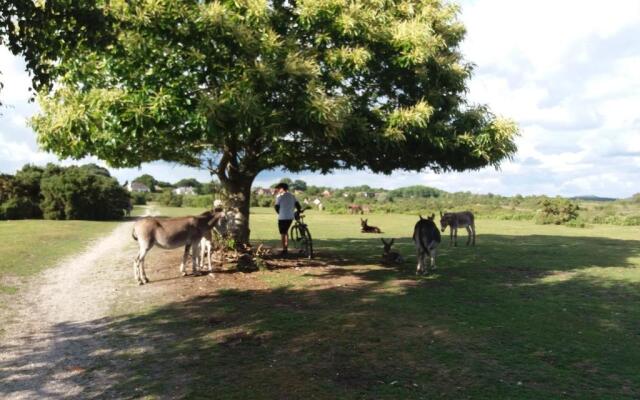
147 180
169 198
253 85
54 192
558 211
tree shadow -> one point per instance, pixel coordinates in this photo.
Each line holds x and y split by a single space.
489 324
539 254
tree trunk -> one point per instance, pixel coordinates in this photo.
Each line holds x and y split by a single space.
238 193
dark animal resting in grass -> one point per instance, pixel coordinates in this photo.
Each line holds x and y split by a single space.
426 237
366 228
171 233
354 209
389 256
457 220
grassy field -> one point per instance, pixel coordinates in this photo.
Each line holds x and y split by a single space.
531 312
29 246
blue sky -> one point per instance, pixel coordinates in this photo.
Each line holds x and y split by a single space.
566 71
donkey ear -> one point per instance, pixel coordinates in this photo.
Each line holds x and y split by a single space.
432 216
420 215
440 214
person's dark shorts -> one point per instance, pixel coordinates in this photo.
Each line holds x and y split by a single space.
283 225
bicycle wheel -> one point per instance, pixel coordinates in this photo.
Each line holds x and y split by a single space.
306 242
294 234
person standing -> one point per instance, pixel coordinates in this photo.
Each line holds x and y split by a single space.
286 204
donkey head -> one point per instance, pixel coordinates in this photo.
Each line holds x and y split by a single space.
363 222
387 245
445 220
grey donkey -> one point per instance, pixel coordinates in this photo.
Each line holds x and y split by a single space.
170 233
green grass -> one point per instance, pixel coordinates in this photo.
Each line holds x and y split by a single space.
531 312
29 246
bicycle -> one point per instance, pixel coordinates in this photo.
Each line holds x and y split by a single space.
300 237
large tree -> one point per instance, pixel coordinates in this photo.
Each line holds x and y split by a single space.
44 31
248 85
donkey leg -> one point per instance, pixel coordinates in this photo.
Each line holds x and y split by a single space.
195 261
419 266
469 233
143 271
455 237
136 264
433 259
184 260
473 228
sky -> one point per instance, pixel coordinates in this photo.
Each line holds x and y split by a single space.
566 71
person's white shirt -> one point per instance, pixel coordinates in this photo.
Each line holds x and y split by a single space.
287 203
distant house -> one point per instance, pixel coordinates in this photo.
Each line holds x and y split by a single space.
190 190
326 193
138 187
264 191
367 194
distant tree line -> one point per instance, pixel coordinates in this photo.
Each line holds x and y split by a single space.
156 186
419 199
86 192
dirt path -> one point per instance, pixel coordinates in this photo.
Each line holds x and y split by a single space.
77 333
52 340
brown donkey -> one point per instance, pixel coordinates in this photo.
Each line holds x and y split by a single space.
366 228
169 233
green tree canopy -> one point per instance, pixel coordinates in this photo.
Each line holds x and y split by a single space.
147 180
245 86
416 191
299 184
188 182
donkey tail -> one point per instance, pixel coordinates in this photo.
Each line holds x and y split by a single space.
424 243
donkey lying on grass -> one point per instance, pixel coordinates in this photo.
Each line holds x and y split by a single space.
426 237
455 220
390 256
169 233
366 228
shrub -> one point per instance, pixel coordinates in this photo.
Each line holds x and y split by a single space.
198 201
266 201
558 211
168 198
19 208
82 193
139 199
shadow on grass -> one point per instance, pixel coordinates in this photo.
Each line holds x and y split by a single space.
485 326
539 254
